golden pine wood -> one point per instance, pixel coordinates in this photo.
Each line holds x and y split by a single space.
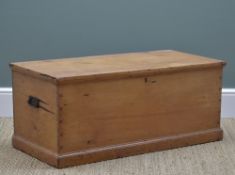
113 66
112 106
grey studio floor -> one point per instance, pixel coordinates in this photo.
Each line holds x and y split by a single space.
209 159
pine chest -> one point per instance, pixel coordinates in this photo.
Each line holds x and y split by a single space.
81 110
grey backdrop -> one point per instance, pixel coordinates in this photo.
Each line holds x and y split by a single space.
37 29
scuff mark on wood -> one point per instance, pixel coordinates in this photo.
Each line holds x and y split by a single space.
145 79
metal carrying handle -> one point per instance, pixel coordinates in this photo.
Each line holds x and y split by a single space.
34 102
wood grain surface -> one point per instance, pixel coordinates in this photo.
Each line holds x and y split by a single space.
106 66
97 119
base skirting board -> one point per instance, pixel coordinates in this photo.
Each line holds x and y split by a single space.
79 157
6 107
228 103
227 108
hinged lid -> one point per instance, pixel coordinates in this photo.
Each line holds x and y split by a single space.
120 65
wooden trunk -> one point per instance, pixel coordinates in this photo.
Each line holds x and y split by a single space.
82 110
